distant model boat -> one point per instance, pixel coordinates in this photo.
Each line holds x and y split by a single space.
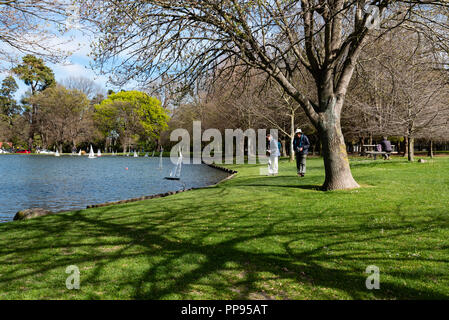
135 154
91 153
79 153
146 155
160 159
57 154
99 153
175 174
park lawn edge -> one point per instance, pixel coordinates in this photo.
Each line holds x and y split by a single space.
221 242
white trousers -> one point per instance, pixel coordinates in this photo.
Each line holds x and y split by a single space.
273 165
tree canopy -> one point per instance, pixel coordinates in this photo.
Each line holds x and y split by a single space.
64 116
193 39
131 113
8 105
35 73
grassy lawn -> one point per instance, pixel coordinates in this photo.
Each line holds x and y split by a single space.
251 237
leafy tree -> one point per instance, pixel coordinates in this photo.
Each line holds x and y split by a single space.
131 114
9 111
64 116
8 105
193 38
38 77
35 73
9 86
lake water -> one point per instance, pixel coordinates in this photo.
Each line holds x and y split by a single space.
72 182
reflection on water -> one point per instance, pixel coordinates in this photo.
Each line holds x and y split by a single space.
72 182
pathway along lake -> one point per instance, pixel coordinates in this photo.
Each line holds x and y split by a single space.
73 182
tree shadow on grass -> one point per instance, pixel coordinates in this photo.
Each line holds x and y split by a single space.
208 250
279 182
301 186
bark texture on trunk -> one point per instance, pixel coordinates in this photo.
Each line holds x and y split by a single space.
430 153
292 135
336 162
411 151
284 149
405 146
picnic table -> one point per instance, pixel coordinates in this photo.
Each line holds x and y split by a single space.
374 153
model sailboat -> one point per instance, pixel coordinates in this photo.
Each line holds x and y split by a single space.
175 174
91 153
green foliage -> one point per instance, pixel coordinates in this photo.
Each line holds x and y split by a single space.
132 113
63 115
35 73
8 105
58 100
9 86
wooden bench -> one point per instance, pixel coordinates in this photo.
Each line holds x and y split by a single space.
370 150
375 153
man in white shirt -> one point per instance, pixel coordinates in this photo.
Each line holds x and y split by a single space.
274 155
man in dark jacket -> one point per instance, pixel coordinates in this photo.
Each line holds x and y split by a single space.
301 146
386 147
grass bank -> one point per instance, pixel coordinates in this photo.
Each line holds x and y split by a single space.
251 237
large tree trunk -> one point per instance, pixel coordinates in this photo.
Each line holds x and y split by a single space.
316 147
361 149
292 135
411 151
284 149
336 162
430 152
405 147
33 125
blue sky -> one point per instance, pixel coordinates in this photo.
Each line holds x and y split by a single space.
77 65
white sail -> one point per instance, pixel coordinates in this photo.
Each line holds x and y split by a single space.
57 153
99 153
176 172
179 166
79 153
135 154
91 153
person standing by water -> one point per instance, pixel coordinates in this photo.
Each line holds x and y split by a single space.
301 146
274 155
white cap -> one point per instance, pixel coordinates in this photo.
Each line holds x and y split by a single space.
298 131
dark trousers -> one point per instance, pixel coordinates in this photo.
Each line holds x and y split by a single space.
301 162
